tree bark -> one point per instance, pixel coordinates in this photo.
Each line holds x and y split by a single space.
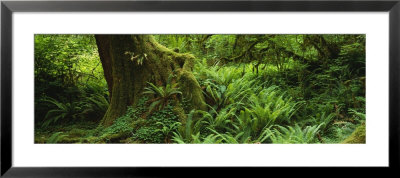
130 61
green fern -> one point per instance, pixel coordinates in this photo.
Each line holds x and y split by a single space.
324 120
60 111
196 139
296 134
162 94
96 104
228 138
358 115
192 126
56 137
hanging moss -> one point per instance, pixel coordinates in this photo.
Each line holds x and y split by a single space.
358 136
180 113
191 90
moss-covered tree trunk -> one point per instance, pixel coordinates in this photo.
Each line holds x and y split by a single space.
130 61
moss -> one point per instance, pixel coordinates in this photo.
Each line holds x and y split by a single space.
189 62
180 113
130 140
138 123
90 139
114 138
77 133
40 139
191 90
73 136
70 140
358 136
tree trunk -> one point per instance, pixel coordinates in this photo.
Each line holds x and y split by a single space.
130 61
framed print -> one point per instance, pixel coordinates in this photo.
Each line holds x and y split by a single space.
136 88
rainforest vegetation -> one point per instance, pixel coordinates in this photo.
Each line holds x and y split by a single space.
203 88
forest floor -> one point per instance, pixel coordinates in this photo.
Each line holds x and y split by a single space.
69 132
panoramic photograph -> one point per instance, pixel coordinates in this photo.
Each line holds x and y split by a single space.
200 89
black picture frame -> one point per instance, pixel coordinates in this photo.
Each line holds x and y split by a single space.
8 7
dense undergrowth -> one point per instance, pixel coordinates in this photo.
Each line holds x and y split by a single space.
258 89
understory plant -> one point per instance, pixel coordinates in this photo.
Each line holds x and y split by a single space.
162 94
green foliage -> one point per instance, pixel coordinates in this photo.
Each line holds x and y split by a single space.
67 68
191 127
323 119
166 130
149 135
55 137
61 111
122 124
359 116
238 122
268 107
68 58
210 139
135 125
296 134
158 126
162 94
339 131
95 106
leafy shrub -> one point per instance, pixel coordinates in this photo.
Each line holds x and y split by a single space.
122 128
153 129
